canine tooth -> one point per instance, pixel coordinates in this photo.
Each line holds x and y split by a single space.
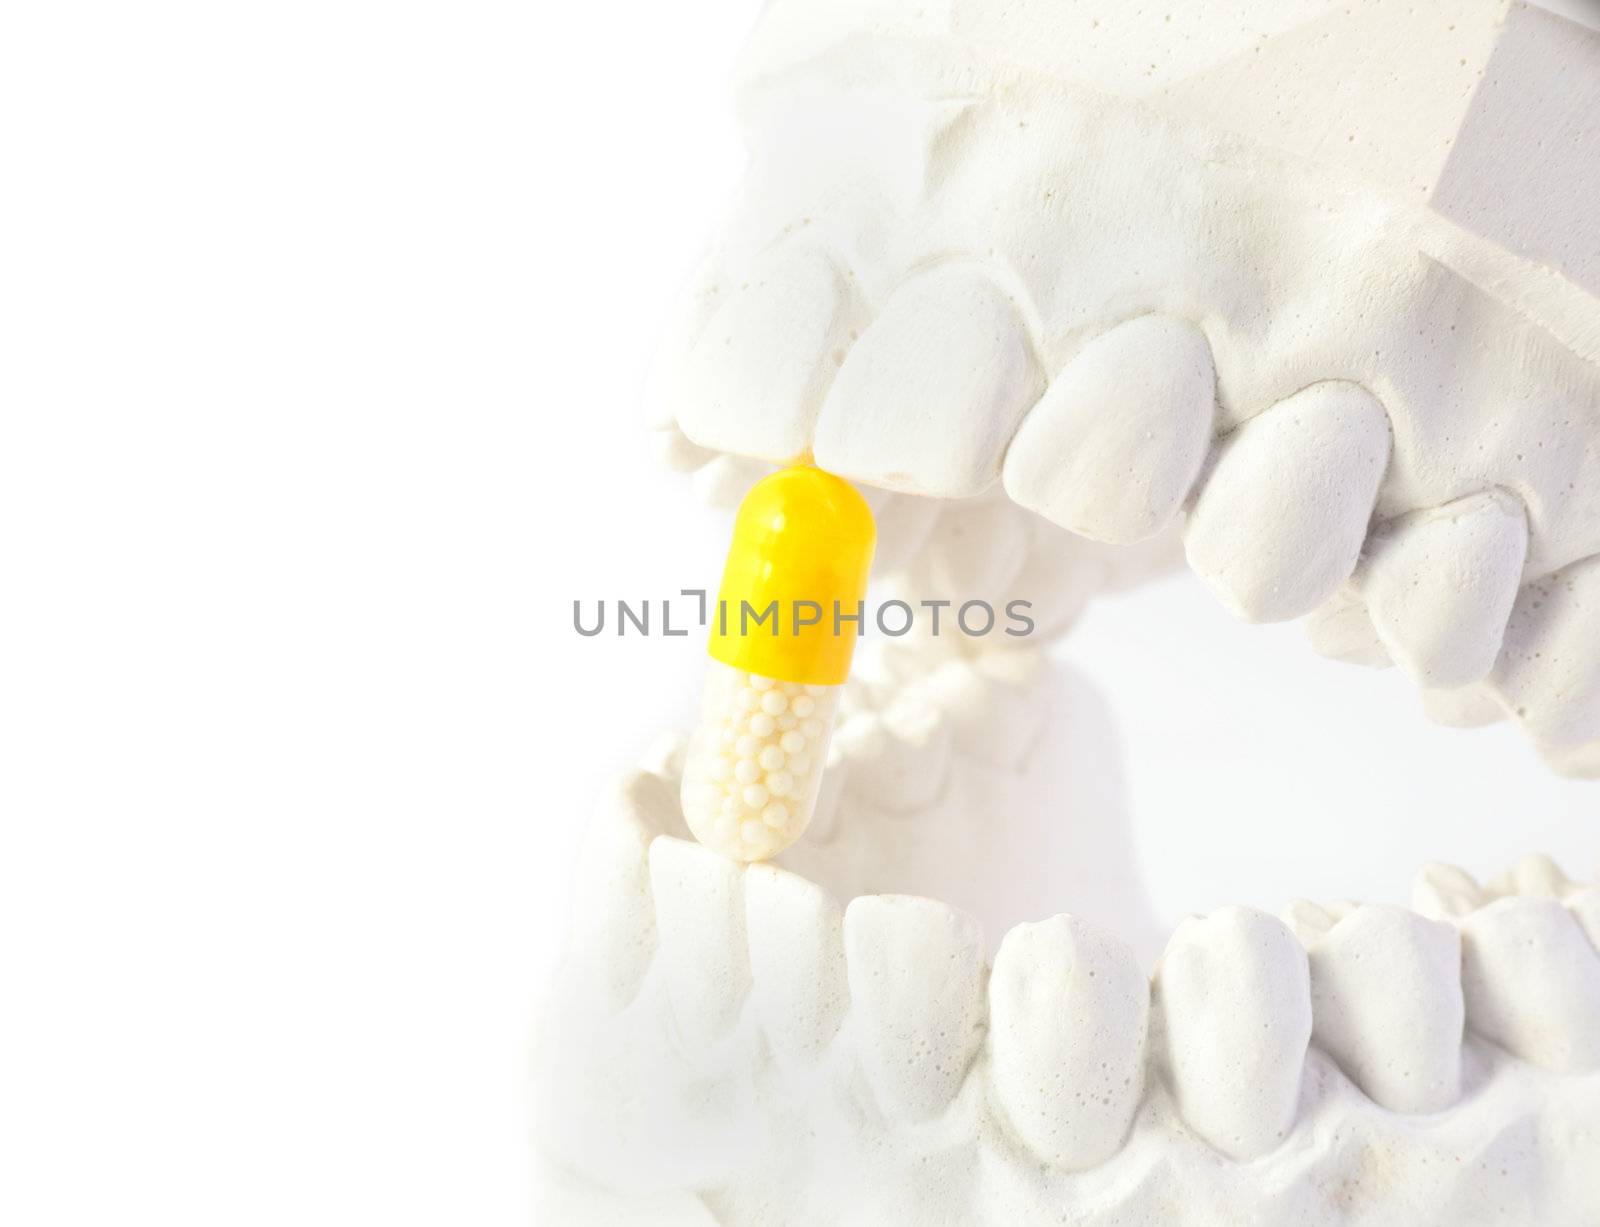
1532 982
796 935
754 381
614 928
700 914
1549 669
1068 1015
1387 1004
1445 892
1341 629
1535 876
1279 521
1440 585
1113 448
1470 707
915 970
931 394
1235 999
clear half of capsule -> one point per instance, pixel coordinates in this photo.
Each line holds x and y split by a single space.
783 632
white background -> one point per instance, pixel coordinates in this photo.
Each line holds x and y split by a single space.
321 328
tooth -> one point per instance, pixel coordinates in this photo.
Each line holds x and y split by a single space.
908 747
756 376
1308 921
700 915
1115 445
1440 585
1535 876
915 968
1470 707
1062 575
1279 521
1584 904
1133 566
724 482
1532 982
932 392
796 935
1386 999
1445 892
614 926
1069 1011
1341 629
904 523
664 755
825 816
1581 762
1235 1000
974 551
673 450
1549 669
992 721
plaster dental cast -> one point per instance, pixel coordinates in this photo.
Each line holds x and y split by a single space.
1040 298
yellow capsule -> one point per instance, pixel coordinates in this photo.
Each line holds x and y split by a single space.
782 634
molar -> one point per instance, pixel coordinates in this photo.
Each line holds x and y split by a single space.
904 523
1280 519
1387 1005
1234 997
974 550
1469 707
931 394
1584 904
915 969
1535 876
1308 921
908 747
1446 892
1064 572
1581 762
993 721
1341 629
1113 448
1548 674
796 936
1532 982
700 916
1440 585
755 378
1069 1010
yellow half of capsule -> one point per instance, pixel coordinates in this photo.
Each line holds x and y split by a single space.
801 535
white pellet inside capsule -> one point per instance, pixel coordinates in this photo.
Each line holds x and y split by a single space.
755 761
